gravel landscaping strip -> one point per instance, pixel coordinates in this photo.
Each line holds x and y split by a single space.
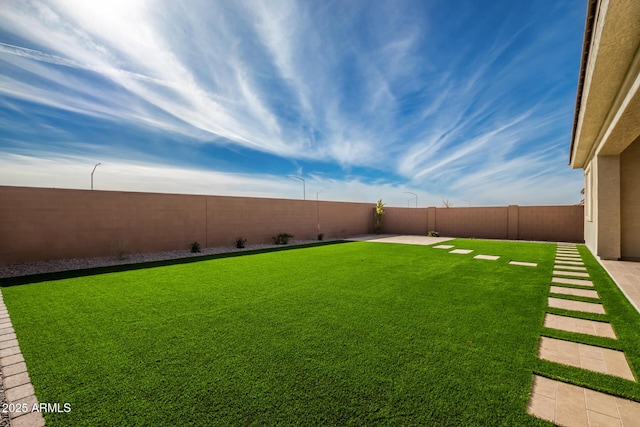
25 269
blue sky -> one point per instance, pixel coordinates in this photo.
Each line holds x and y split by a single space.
466 101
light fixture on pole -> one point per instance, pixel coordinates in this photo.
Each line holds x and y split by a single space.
94 169
304 187
414 195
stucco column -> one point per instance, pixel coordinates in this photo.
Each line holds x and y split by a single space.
512 222
608 206
431 219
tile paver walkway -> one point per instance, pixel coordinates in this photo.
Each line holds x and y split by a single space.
567 304
487 257
587 293
17 384
570 405
592 358
580 326
577 282
570 273
525 264
461 251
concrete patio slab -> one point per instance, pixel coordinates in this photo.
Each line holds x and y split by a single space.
443 247
487 257
396 238
569 267
571 305
569 405
580 326
626 274
570 273
525 264
461 251
577 282
587 293
589 357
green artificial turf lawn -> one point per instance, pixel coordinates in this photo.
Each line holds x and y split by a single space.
345 334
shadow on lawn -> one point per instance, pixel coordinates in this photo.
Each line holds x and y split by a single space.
68 274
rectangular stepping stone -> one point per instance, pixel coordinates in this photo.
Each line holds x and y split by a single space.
570 273
580 326
568 256
589 357
588 293
577 282
569 262
567 304
461 251
443 247
569 267
571 405
488 257
526 264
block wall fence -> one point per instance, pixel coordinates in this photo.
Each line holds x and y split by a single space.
39 224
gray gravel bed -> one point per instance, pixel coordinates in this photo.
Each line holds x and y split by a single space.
24 269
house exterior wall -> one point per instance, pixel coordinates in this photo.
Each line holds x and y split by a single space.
39 224
606 128
630 201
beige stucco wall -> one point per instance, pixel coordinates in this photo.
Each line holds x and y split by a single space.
630 201
607 205
591 194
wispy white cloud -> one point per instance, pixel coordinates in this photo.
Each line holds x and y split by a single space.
419 94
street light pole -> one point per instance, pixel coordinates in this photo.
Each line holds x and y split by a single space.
94 169
414 195
304 187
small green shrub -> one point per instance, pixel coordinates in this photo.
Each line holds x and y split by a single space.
282 238
240 241
320 236
433 234
195 247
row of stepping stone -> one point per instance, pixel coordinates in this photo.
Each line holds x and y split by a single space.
486 257
567 404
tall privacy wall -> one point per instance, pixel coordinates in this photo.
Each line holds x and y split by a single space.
538 223
42 224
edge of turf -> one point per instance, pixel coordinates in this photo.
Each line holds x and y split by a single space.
69 274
